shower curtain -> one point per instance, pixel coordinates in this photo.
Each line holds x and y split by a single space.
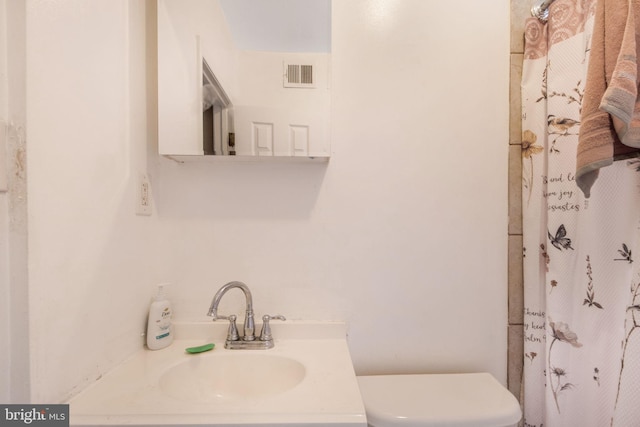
581 255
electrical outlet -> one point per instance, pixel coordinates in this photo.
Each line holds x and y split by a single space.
143 194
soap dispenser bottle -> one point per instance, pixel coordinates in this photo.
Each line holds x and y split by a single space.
159 329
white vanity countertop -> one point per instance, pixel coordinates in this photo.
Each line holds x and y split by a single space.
328 395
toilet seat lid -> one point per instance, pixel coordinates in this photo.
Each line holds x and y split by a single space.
454 400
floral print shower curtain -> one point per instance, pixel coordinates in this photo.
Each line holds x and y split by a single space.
581 256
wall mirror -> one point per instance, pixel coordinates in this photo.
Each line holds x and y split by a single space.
244 78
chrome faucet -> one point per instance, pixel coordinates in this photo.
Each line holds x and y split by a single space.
248 340
249 326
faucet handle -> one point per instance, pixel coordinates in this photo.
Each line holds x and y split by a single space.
232 332
265 335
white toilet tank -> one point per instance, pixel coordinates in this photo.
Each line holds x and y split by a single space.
452 400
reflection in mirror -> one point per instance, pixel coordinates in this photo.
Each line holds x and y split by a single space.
227 86
217 117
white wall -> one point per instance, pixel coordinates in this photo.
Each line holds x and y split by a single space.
418 186
92 262
5 361
402 234
14 334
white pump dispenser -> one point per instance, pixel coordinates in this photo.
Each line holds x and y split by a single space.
159 329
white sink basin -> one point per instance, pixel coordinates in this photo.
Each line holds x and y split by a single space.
307 379
231 376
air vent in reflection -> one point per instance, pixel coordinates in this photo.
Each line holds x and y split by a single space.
298 75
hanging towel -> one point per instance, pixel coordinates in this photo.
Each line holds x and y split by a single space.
598 142
621 97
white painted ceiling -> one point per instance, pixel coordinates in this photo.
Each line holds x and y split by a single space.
280 25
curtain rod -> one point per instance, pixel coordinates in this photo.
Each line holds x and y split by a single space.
540 9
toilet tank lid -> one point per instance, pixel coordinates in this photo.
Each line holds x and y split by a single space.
456 400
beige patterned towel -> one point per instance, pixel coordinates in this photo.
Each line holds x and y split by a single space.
598 142
621 97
